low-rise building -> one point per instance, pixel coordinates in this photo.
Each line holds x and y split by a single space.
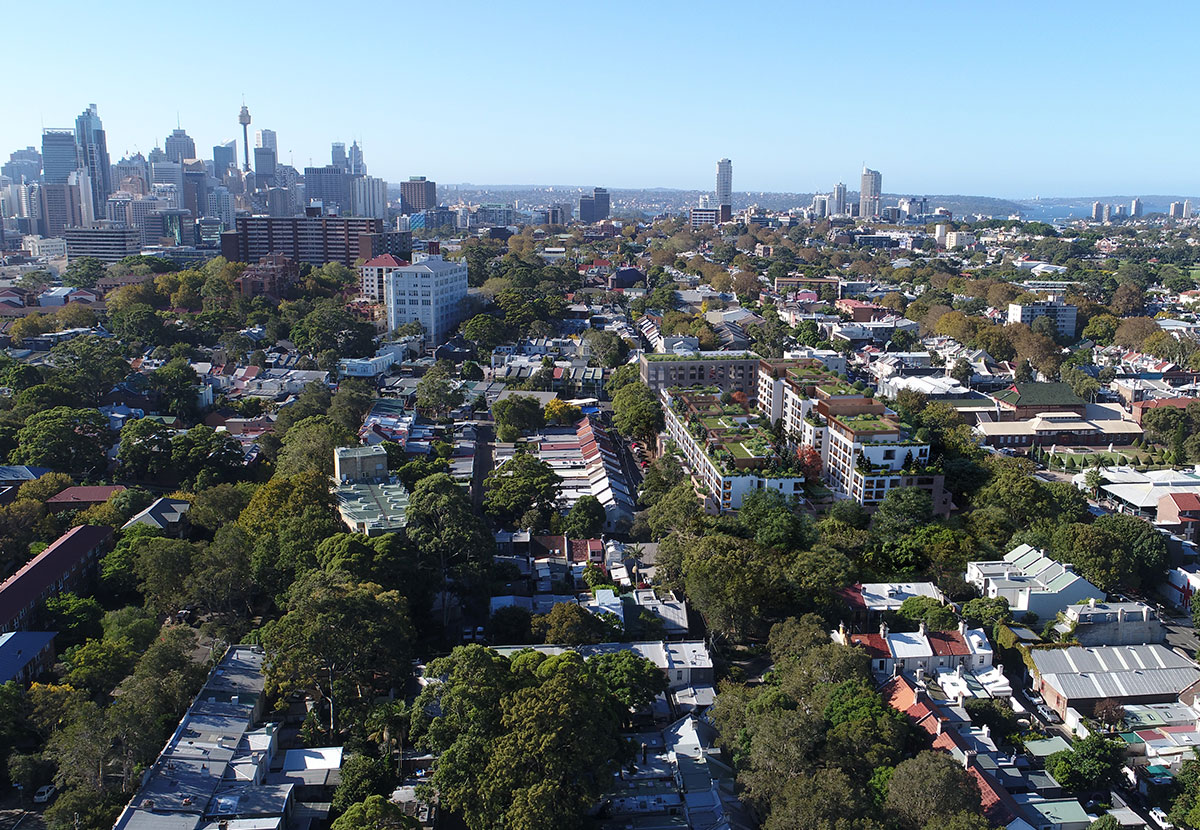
728 371
1063 429
165 514
25 655
1095 623
369 499
727 454
1031 582
1079 677
63 566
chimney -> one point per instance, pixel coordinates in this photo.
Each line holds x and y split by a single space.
959 671
1091 602
961 700
1068 567
842 631
920 674
921 629
987 731
968 758
962 628
941 722
883 629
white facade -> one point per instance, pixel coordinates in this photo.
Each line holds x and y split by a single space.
1063 316
51 248
724 182
959 239
368 197
431 292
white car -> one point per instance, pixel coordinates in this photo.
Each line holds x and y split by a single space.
44 794
1160 818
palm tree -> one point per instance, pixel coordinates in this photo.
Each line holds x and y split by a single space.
1093 479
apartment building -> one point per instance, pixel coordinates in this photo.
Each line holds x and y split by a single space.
1063 316
728 371
431 292
373 274
728 455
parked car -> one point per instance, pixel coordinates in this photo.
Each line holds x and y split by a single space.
1047 714
1159 817
44 794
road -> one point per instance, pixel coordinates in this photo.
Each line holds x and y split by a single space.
483 460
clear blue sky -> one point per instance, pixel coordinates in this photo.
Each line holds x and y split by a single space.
1007 99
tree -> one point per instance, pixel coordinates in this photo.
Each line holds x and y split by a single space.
730 582
630 678
515 415
928 610
450 536
68 440
528 743
1093 762
362 778
637 412
903 509
436 393
485 331
75 619
1128 300
176 385
330 326
569 624
309 446
774 522
559 411
1109 712
962 371
83 272
622 377
203 457
609 348
339 639
523 489
986 611
89 366
350 404
375 813
163 567
931 786
585 520
145 449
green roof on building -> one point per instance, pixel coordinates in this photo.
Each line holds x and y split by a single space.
1039 394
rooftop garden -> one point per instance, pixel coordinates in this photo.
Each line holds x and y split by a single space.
868 422
702 356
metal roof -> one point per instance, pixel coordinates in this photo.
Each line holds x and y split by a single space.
1115 671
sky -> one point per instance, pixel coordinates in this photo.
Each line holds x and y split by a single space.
1010 99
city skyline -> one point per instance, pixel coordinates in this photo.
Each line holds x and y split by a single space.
991 89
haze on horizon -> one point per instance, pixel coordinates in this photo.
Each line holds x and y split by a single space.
1067 99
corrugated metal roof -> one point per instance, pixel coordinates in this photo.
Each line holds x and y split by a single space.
1115 671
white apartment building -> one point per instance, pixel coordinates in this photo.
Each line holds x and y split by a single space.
431 292
372 276
959 239
730 458
1062 315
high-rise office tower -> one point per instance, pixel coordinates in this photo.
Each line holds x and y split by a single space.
1106 215
1135 207
1097 211
329 185
224 157
869 193
23 166
725 182
264 167
338 156
1187 209
60 155
838 206
266 138
167 172
179 146
93 151
600 195
357 167
220 205
416 194
368 197
244 120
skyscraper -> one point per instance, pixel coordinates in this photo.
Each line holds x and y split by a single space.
244 120
416 194
329 185
724 182
264 167
266 138
368 196
60 155
1187 209
1097 211
224 157
179 146
357 167
838 205
23 165
338 156
868 197
93 152
1135 207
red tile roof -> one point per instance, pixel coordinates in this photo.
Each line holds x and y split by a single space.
873 644
48 568
948 644
1185 501
95 494
384 261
